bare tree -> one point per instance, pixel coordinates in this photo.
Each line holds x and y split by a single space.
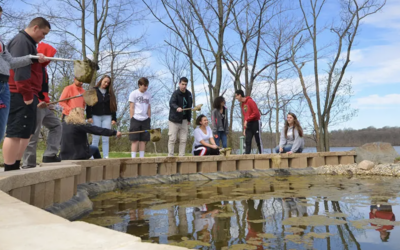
345 32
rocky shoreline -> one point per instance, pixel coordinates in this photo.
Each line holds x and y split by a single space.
388 169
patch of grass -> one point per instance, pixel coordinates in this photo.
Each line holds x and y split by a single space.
396 160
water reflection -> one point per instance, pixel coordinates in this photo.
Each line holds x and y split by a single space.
315 212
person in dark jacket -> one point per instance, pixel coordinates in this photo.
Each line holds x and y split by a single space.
179 119
74 143
103 113
252 122
219 118
25 84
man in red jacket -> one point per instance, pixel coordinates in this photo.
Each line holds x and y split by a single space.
45 117
252 123
25 84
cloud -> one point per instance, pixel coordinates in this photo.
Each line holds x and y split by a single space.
387 18
376 100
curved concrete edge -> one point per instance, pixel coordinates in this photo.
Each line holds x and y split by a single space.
23 226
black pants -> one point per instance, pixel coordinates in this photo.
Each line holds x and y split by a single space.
202 150
253 129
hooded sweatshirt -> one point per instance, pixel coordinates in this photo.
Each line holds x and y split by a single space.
250 110
49 51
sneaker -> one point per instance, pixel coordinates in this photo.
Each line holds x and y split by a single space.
27 167
48 159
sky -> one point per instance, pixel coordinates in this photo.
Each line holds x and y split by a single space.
374 68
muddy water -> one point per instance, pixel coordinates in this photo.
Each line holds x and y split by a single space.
313 212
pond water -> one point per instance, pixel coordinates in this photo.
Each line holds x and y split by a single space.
312 212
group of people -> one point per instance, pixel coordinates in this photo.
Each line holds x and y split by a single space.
25 108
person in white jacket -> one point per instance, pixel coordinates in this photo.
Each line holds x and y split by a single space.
291 136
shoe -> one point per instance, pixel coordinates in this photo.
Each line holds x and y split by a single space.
28 167
47 159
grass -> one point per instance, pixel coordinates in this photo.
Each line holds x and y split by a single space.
39 155
397 160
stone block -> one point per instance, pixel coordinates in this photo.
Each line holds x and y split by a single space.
346 159
284 163
207 167
147 169
202 158
37 195
81 178
298 162
245 165
263 156
187 167
49 193
332 160
226 166
111 171
316 161
167 168
129 170
94 174
63 189
22 193
261 163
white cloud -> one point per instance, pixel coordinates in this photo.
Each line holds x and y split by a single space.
388 17
376 100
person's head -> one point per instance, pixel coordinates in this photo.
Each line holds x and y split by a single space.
38 28
291 121
77 82
202 120
106 83
143 84
1 12
183 82
239 95
219 102
76 116
384 235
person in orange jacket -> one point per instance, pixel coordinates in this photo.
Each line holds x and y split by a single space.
45 117
252 122
384 212
72 90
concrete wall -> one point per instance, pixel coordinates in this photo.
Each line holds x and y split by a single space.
57 182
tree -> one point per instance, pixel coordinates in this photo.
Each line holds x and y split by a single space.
344 33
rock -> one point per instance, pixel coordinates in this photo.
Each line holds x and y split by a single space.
377 152
366 165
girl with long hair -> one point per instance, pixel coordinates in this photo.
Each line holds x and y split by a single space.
103 113
204 143
219 118
291 136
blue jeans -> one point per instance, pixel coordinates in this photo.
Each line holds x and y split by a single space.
4 108
223 137
288 148
95 152
103 121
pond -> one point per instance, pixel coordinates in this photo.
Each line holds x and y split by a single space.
310 212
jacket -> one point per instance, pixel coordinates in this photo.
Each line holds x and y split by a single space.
7 61
49 51
102 107
217 124
250 110
74 143
25 80
69 91
296 141
176 101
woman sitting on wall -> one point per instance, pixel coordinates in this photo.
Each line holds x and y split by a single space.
74 143
204 143
291 136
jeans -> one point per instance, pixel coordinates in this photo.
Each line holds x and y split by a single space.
103 121
223 137
176 129
4 108
95 152
288 148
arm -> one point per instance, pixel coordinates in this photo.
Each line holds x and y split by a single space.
64 105
190 104
282 141
16 62
149 111
226 121
114 116
297 141
131 109
214 121
97 130
173 102
89 112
